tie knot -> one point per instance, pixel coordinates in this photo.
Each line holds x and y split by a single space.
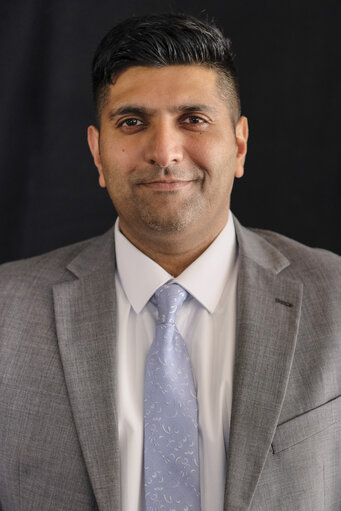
168 299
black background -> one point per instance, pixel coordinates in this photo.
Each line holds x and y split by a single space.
288 56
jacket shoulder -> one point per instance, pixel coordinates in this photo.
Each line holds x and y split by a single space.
304 261
45 269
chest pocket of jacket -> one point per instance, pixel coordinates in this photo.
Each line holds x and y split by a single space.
306 425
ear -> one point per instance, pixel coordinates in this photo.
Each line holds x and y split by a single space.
242 134
93 141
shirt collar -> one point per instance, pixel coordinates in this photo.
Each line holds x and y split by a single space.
204 279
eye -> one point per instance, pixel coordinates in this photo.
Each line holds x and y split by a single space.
194 123
132 122
193 119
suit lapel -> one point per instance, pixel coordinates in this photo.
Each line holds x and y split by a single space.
267 322
85 318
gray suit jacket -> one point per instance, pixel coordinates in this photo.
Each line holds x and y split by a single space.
58 416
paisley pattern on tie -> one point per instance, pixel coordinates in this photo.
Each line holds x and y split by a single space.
171 452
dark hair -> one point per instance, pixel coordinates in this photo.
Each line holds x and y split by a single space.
163 40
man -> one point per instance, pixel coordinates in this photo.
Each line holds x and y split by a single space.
255 339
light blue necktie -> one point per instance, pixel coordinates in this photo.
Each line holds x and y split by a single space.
171 452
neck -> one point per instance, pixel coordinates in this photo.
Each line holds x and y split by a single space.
176 251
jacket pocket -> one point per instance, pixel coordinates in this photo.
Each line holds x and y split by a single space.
306 425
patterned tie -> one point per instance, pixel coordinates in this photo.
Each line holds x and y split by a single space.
171 452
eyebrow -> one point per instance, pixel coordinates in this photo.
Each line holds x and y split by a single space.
142 111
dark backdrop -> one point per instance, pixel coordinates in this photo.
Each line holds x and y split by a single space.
288 58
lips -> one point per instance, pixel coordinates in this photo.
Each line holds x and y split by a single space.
167 185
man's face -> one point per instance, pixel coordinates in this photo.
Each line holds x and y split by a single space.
167 151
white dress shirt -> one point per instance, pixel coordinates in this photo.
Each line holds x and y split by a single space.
207 323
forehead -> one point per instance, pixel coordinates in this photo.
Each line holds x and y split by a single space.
166 86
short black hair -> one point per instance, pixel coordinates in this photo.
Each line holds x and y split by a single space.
162 40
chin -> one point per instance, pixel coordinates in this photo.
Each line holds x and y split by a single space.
166 226
173 220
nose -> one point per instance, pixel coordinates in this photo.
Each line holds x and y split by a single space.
164 145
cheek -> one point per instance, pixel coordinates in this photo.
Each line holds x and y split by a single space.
121 156
210 151
202 152
114 161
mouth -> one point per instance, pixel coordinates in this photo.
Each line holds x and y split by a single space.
164 185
